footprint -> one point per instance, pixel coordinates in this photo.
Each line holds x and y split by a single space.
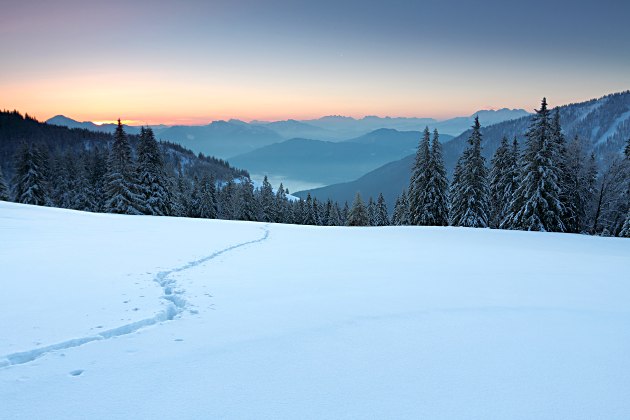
77 372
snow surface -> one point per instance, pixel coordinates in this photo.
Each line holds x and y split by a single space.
274 321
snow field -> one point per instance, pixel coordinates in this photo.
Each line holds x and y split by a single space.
313 322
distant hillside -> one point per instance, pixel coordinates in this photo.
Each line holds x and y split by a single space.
322 162
223 139
603 123
15 129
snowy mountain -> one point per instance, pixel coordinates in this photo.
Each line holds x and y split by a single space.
111 316
603 123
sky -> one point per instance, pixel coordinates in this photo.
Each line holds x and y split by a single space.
191 62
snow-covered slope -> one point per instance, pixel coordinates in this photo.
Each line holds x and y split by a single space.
175 318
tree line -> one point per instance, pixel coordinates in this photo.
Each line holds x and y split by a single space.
124 180
550 186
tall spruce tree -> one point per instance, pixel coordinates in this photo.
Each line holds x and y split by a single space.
371 209
153 181
267 202
419 181
579 186
436 196
503 180
470 205
400 217
281 208
121 188
29 182
358 215
309 216
249 207
536 203
335 216
207 199
382 217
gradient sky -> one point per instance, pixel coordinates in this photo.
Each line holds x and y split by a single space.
196 61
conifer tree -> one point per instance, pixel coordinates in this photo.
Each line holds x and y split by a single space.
29 180
436 196
96 179
335 216
419 181
579 186
281 206
267 202
503 180
371 209
536 203
469 190
358 215
4 188
317 212
382 217
401 211
207 200
249 209
152 178
121 189
309 213
345 213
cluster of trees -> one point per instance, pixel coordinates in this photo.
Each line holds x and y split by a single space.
551 186
128 180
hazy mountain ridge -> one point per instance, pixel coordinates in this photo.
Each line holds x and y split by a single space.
325 162
226 139
603 123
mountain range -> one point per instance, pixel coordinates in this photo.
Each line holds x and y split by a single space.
604 125
226 139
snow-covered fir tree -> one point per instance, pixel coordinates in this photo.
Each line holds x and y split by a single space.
281 206
371 209
334 218
470 205
358 215
504 176
96 179
121 187
382 217
611 199
152 178
400 217
4 188
310 216
207 200
536 202
579 186
267 202
436 195
29 182
345 213
249 205
419 181
559 156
